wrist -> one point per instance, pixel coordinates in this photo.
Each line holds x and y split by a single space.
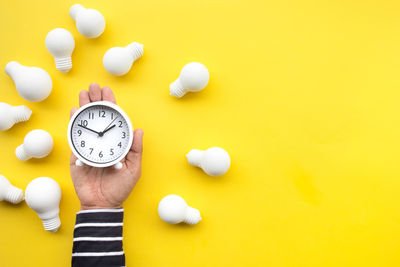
99 207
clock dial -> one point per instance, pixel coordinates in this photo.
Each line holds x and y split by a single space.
100 134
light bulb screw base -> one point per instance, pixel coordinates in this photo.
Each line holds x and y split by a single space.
63 64
14 195
52 225
136 50
21 154
176 89
192 216
21 113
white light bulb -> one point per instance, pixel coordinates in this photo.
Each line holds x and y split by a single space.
32 83
173 209
43 195
193 78
37 144
9 192
214 161
89 22
10 115
118 60
60 43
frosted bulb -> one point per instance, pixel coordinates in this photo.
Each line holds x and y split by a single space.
214 161
173 209
43 195
193 78
118 60
60 43
9 192
32 83
10 115
89 22
37 144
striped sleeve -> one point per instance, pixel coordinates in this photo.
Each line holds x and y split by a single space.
98 238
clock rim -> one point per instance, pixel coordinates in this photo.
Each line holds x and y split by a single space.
110 105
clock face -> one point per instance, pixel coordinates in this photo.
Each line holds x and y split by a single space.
100 134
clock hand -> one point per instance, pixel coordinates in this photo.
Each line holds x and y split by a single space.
107 129
84 127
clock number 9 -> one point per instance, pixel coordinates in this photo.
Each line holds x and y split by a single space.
80 132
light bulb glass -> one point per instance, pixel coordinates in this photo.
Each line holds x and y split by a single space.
215 161
43 195
10 115
118 60
194 77
37 144
89 22
173 209
60 43
32 83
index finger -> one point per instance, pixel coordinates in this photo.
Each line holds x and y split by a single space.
83 98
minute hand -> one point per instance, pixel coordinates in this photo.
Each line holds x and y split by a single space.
105 129
84 127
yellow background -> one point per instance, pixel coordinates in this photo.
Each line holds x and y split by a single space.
304 95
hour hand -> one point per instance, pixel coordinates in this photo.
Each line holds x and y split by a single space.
109 128
84 127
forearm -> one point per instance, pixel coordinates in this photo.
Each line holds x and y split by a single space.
98 238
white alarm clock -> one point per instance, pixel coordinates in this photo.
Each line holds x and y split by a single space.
100 134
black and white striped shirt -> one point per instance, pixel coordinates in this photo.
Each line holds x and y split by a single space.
98 238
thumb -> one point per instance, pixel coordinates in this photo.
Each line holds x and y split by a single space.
134 157
73 157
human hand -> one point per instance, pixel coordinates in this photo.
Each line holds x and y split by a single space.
106 188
